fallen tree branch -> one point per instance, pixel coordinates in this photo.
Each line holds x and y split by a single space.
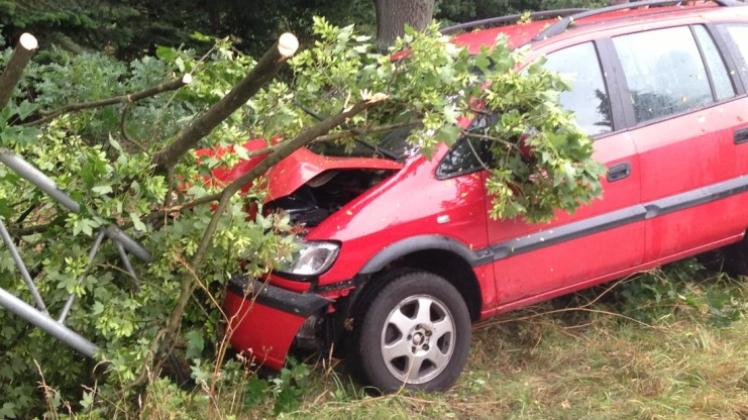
260 75
366 131
282 151
270 149
122 99
17 63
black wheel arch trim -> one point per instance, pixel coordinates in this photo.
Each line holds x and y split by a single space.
424 243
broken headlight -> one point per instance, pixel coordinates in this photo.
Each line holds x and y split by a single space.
311 258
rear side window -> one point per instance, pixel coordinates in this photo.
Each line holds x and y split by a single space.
739 36
588 98
664 72
723 88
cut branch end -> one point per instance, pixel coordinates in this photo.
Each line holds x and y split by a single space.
288 44
28 42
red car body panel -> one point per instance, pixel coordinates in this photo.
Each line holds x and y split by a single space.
686 195
289 174
271 331
559 266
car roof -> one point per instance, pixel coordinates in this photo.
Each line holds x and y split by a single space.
521 34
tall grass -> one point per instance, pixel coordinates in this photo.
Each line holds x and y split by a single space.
672 343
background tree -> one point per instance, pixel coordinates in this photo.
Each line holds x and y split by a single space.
394 15
131 28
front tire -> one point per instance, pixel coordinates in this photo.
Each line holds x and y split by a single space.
414 334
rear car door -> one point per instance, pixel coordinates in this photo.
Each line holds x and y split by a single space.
684 107
535 261
733 39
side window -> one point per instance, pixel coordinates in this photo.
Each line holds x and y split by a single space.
664 72
723 88
739 35
468 154
588 98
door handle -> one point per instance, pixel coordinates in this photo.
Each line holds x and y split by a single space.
741 136
619 172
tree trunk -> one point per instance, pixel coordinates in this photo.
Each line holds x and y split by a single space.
393 15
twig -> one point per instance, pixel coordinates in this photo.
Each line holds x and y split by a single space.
123 128
17 63
583 308
490 138
30 230
122 99
47 391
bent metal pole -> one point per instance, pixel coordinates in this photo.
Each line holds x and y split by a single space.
47 324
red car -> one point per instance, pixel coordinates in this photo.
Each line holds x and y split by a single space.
400 255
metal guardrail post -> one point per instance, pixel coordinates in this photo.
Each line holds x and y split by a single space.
91 256
22 267
37 177
47 324
40 317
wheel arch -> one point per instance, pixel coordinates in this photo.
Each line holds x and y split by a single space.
436 254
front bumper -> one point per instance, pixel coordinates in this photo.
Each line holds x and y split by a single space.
264 319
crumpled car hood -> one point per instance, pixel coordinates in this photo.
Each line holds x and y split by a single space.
291 173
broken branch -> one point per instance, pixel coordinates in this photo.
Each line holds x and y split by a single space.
122 99
260 75
17 63
271 149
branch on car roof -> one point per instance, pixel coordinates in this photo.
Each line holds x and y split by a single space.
260 75
17 63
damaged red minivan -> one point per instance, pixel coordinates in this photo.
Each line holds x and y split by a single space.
400 256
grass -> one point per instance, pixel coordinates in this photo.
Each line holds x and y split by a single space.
668 344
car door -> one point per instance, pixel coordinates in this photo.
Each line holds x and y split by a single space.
685 108
600 240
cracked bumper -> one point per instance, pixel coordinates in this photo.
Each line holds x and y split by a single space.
265 318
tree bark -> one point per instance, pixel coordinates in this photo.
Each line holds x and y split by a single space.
260 75
393 15
18 61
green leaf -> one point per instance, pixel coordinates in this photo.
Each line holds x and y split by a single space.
137 223
448 134
201 37
195 344
102 189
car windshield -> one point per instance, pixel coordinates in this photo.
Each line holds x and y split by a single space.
391 144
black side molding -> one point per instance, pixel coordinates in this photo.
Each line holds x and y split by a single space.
301 304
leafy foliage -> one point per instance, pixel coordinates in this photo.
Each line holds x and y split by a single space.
102 157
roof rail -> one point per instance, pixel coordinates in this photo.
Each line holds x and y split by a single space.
511 19
564 24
